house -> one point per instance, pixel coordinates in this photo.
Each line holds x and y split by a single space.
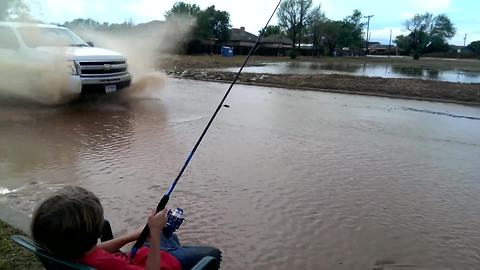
380 49
276 44
461 52
464 50
241 40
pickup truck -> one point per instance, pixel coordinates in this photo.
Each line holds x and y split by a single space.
87 69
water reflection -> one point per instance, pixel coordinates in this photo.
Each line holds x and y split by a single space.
371 70
433 74
36 138
408 71
325 179
315 66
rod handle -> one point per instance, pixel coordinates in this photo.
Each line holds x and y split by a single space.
146 230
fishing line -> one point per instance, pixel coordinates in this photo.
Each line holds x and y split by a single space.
163 202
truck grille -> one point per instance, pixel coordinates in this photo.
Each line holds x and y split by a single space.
102 68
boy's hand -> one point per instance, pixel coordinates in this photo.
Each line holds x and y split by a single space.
157 222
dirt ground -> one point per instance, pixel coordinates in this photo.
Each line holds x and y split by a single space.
193 67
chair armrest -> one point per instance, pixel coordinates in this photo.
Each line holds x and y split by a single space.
47 260
205 263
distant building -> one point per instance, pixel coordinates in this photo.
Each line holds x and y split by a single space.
461 49
371 43
241 40
276 44
380 49
454 52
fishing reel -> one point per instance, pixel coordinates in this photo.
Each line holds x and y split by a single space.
174 220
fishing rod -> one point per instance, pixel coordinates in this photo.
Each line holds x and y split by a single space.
163 202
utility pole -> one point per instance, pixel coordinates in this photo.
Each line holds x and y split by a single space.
368 30
390 44
465 40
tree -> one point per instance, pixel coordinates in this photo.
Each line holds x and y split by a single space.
437 45
428 30
14 10
271 30
88 24
352 36
403 42
331 34
332 30
82 23
292 17
183 9
475 46
315 22
212 23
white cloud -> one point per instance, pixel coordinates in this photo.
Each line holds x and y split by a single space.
383 35
407 15
430 5
148 9
63 10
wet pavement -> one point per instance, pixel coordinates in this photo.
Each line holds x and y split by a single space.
284 179
370 70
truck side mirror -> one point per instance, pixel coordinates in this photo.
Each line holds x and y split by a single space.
90 43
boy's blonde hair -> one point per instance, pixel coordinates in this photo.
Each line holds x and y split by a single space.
69 223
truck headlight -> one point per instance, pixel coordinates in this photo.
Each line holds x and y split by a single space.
72 67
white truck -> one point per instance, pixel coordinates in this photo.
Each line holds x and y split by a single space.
90 69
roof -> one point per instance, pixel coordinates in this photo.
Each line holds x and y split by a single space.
381 47
370 44
463 49
457 47
241 35
277 38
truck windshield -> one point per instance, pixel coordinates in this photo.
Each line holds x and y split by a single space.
35 36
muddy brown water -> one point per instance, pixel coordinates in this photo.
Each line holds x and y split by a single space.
284 179
370 70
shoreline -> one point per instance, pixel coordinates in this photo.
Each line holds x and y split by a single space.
185 62
411 89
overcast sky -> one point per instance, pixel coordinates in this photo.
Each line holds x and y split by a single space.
388 15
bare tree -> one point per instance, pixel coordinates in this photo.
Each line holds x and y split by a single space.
292 16
315 22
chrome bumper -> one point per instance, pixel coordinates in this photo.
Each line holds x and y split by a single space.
101 80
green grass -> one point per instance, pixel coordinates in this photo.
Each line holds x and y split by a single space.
12 256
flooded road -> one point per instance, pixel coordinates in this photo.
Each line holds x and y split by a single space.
284 179
370 70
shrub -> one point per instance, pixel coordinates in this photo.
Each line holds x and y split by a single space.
292 54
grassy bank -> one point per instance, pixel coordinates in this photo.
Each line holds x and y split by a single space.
12 256
402 88
193 67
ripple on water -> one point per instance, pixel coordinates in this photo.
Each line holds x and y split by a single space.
283 180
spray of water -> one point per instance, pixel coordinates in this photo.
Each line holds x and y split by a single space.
34 74
143 45
45 78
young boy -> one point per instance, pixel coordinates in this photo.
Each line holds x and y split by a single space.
69 224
